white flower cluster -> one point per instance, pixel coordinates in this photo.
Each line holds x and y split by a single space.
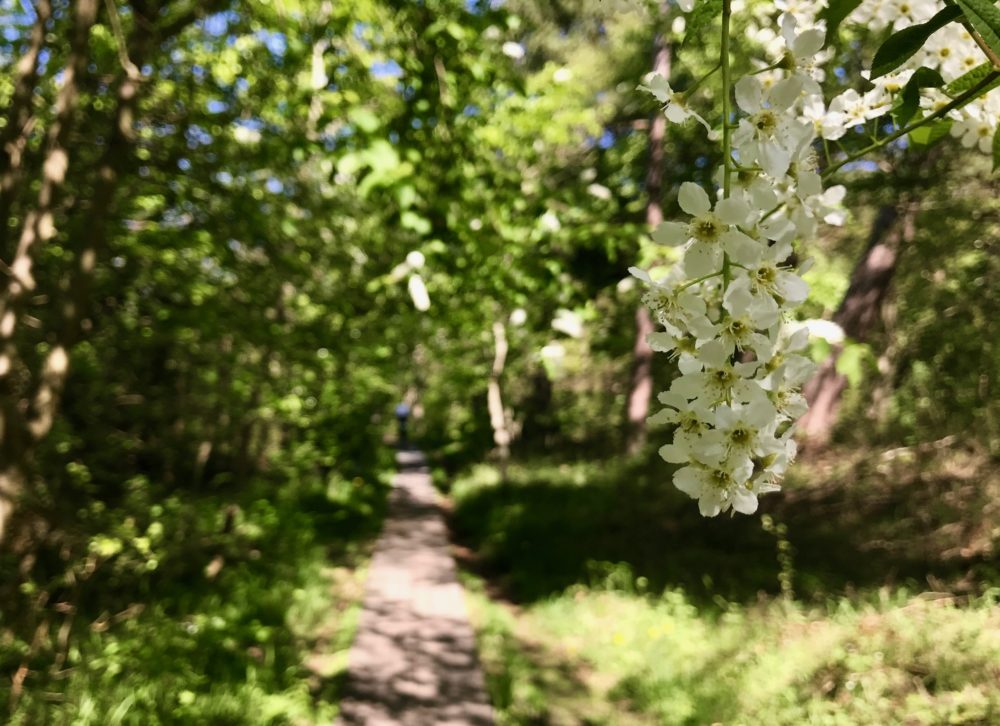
722 309
951 51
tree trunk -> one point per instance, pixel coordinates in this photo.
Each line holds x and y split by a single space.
20 120
859 314
494 402
641 385
38 227
25 423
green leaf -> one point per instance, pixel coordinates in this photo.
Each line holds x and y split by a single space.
819 349
909 99
996 150
699 18
851 362
985 18
406 195
350 163
834 15
931 133
901 46
365 119
966 81
412 220
382 156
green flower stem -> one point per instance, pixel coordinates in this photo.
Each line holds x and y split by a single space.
697 84
979 40
765 69
727 142
689 283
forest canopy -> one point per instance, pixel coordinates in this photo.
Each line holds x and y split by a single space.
236 234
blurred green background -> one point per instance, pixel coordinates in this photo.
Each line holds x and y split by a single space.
229 261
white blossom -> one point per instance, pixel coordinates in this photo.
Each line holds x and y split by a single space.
768 136
723 312
711 232
675 106
805 53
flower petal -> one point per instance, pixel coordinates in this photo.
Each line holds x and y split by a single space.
749 94
702 259
671 234
689 386
792 287
713 354
661 342
785 92
763 196
778 228
798 340
700 326
773 159
809 184
758 413
693 199
687 363
808 43
743 249
659 87
741 468
691 303
733 210
664 415
744 501
764 311
676 113
667 398
738 297
674 454
688 480
709 504
640 274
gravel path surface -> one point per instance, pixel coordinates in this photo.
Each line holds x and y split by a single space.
413 660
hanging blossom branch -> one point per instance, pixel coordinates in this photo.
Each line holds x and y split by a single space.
724 309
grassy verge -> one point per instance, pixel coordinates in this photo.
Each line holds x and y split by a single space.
598 600
244 617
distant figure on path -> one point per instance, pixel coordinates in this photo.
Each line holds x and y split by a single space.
402 415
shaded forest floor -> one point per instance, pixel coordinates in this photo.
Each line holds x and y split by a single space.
245 616
864 594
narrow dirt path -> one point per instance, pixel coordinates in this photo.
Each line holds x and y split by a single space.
413 661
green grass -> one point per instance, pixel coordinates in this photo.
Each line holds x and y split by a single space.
599 599
853 521
612 656
241 623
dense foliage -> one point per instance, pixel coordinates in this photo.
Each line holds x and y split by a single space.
233 235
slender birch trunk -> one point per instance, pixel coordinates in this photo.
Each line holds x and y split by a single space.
494 401
641 384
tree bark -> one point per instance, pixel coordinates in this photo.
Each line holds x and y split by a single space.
27 417
859 314
38 227
14 136
641 384
494 401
